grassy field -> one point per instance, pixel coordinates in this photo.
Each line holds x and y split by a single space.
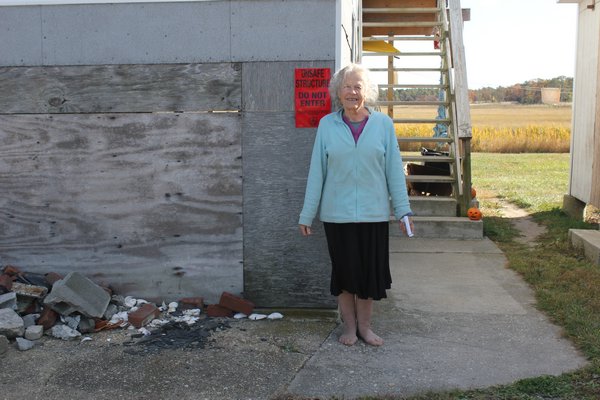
501 128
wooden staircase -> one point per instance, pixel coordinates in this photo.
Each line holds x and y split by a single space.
422 49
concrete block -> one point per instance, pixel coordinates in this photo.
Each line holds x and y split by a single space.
34 332
235 303
77 293
8 300
30 319
64 332
11 324
3 344
24 344
143 315
589 241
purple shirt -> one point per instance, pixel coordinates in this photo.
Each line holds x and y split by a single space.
355 127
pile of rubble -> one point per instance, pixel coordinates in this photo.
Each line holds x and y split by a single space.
66 308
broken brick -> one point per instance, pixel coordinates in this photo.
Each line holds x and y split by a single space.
143 315
189 303
236 303
52 277
12 271
47 318
215 310
6 282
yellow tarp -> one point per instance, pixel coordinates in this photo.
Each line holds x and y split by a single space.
379 46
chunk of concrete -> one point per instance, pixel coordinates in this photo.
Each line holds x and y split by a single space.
24 344
11 324
8 300
30 319
3 344
589 241
77 293
64 332
23 289
34 332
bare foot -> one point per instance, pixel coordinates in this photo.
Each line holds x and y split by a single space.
370 338
348 337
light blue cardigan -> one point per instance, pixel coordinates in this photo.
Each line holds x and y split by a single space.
353 182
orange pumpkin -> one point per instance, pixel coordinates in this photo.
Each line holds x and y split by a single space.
473 193
474 214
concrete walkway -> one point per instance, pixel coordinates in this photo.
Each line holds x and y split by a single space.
455 318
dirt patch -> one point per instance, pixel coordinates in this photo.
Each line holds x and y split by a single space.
521 220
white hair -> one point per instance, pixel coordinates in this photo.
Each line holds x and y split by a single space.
371 92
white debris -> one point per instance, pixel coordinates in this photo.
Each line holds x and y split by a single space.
140 302
119 317
144 331
86 339
240 316
257 317
163 307
155 323
194 312
130 301
275 315
188 319
172 307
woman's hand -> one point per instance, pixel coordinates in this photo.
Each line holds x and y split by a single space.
305 230
403 226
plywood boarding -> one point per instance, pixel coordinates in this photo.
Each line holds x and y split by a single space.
169 32
150 203
584 104
595 178
281 268
120 88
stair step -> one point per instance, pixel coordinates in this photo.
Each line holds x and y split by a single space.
442 227
413 86
401 24
412 103
404 38
424 139
409 69
422 121
430 178
405 10
402 54
439 159
433 206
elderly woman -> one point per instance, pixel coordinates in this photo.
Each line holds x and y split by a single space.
355 169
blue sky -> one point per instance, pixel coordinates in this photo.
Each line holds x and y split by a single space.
511 41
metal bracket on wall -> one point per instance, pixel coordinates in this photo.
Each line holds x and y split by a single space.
592 6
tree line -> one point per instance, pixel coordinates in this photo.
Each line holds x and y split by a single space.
528 92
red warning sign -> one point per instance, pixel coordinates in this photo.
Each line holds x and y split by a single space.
311 96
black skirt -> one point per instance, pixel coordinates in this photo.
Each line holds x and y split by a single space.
360 261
